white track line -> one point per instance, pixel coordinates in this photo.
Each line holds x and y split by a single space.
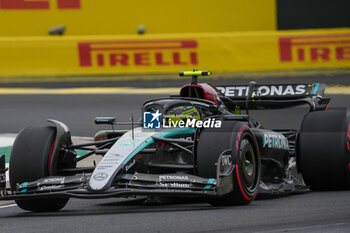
7 206
6 140
299 229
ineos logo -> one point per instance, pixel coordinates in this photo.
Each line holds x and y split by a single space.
100 176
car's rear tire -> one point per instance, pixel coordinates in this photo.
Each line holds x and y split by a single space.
323 150
30 160
237 137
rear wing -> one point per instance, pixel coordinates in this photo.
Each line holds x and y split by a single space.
275 96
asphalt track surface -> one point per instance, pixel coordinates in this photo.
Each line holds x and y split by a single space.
309 212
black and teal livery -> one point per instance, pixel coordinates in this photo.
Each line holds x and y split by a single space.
226 165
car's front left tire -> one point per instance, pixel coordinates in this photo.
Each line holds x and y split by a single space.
235 137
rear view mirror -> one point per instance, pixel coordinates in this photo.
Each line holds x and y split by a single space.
105 121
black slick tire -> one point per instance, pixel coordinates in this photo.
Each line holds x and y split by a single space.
29 161
235 136
323 150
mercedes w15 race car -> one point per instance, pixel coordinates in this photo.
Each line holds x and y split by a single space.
201 143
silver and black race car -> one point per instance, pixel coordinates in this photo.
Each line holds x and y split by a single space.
202 143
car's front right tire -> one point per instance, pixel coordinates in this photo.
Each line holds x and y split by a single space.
30 160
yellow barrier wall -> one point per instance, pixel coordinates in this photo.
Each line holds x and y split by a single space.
173 52
102 17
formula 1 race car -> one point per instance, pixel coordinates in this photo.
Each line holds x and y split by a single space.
197 144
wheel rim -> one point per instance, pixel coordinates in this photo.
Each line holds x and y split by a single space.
249 167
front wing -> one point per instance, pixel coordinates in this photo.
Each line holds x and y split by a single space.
128 185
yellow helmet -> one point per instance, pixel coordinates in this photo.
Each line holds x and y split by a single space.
181 113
